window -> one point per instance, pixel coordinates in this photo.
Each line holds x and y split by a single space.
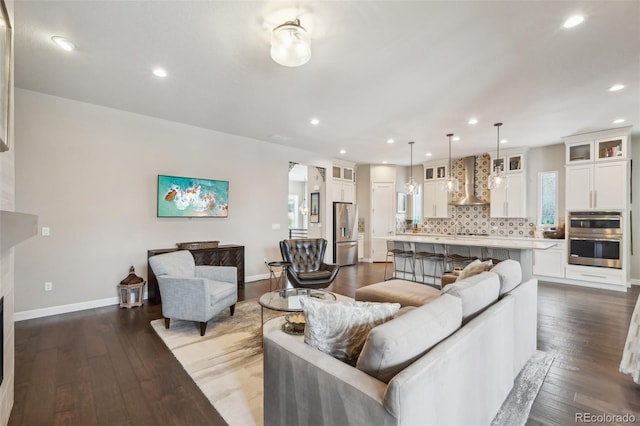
548 198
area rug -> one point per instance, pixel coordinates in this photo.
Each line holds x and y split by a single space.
226 364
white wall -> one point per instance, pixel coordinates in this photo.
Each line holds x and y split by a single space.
90 174
7 288
545 159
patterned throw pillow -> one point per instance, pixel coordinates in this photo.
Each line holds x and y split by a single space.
341 328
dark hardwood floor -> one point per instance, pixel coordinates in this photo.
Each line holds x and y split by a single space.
107 367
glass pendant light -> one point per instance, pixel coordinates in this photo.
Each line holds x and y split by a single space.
496 178
411 185
451 184
290 44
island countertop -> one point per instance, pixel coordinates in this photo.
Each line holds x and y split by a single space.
474 241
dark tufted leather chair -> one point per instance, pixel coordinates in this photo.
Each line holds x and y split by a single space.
307 268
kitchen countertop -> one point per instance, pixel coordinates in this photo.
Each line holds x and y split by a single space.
477 241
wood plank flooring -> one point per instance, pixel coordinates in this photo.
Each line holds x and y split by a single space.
107 367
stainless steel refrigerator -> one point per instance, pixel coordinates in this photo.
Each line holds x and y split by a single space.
345 234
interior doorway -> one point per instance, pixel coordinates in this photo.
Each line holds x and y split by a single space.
298 202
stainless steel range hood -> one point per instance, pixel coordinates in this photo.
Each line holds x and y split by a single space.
469 198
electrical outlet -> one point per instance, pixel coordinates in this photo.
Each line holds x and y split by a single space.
48 286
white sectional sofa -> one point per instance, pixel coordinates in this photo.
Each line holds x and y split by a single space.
462 380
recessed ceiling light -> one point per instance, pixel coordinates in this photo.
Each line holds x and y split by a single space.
504 141
455 138
159 72
616 87
473 121
314 121
573 21
343 151
429 154
63 43
390 141
385 162
618 121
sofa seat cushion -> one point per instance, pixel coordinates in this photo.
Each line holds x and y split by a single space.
510 273
476 292
315 275
394 345
340 328
406 293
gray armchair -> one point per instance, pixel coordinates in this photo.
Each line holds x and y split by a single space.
193 293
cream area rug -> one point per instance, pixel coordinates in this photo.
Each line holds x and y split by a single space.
226 364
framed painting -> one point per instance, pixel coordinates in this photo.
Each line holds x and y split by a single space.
5 77
314 213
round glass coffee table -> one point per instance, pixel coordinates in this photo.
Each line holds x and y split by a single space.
288 300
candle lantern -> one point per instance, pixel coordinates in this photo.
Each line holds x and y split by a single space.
130 290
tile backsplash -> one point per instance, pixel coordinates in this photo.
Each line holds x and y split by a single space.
471 219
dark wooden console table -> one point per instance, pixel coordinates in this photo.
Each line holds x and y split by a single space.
223 255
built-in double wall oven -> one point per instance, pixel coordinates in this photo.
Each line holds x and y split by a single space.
595 239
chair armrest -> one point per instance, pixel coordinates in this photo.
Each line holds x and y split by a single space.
330 267
180 295
228 274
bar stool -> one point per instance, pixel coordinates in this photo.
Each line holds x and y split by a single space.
395 252
433 256
458 257
496 255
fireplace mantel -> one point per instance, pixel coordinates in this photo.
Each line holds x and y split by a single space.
16 227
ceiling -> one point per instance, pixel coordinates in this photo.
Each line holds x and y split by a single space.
411 71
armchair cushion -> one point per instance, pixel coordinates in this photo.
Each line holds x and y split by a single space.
340 328
177 263
314 275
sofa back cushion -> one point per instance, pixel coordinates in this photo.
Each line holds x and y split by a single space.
394 345
510 273
340 328
476 293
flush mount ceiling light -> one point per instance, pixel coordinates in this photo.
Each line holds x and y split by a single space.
390 141
496 178
573 21
343 151
451 184
63 43
473 121
618 121
411 185
290 44
616 87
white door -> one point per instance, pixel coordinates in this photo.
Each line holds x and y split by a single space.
382 218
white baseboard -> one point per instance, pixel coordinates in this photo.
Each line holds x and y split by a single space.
63 309
634 281
81 306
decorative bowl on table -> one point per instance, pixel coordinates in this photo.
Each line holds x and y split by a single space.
294 323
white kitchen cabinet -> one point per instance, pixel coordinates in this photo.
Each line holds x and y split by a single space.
595 148
436 201
510 200
343 191
343 173
597 186
550 262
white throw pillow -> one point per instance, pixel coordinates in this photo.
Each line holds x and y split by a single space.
341 328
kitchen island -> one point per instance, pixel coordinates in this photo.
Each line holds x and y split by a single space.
519 249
